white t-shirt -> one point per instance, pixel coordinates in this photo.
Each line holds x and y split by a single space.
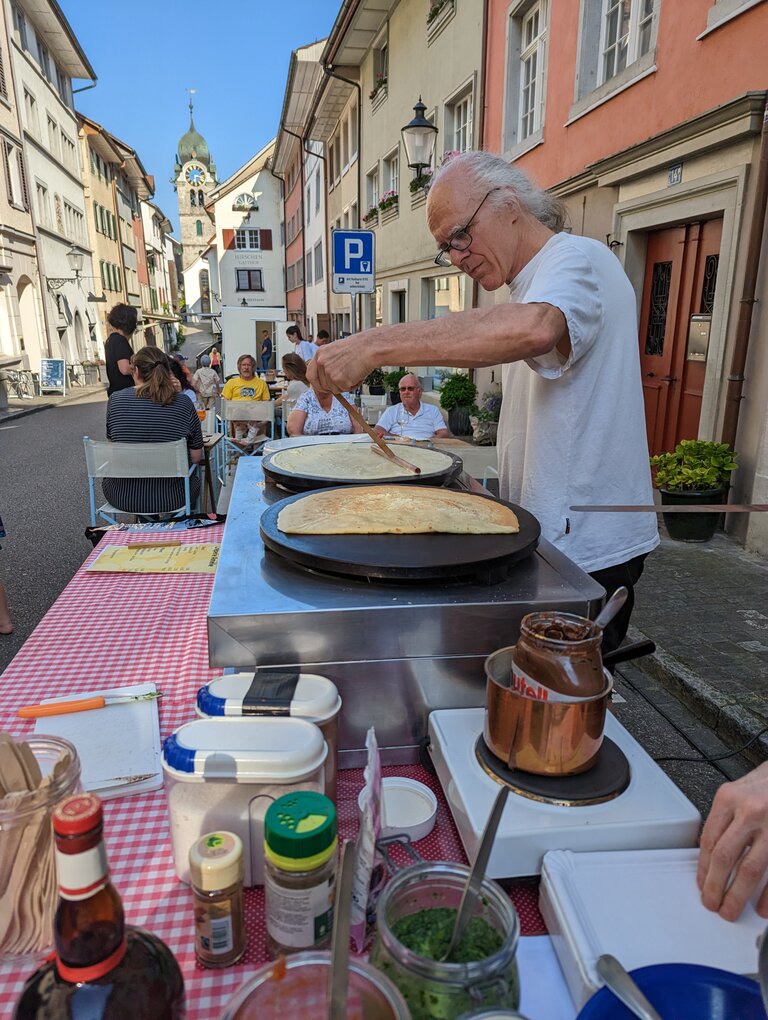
422 425
306 350
573 432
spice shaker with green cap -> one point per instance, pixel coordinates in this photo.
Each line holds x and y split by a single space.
300 854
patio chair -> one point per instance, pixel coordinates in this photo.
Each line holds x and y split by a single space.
373 405
262 411
136 460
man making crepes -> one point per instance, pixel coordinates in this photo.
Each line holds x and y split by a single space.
572 424
411 418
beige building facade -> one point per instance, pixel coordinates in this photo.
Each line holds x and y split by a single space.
400 54
22 328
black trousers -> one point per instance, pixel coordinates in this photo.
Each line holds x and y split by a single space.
611 578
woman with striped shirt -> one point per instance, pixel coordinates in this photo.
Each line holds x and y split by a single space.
152 412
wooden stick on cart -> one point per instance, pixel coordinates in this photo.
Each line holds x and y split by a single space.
381 447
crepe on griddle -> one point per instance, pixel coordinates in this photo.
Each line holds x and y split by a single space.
344 461
396 510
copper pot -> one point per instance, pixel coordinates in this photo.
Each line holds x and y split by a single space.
550 738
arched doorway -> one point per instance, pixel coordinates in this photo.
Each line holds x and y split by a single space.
29 340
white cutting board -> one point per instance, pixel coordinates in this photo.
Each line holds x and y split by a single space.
114 743
642 906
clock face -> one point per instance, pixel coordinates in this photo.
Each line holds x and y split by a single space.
195 175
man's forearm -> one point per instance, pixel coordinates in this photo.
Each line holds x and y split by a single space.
477 338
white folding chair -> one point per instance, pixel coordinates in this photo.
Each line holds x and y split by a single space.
373 405
250 411
136 460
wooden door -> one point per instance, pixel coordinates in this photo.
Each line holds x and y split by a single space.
680 276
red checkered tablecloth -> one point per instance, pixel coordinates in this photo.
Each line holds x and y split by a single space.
117 629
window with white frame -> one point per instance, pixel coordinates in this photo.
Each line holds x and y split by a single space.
308 206
319 261
392 172
372 188
30 113
617 41
317 191
43 204
353 134
525 85
308 273
533 55
3 83
458 127
15 175
20 24
344 133
54 144
337 156
248 240
45 60
626 34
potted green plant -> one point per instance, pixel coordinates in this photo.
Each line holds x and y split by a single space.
696 471
392 382
457 396
375 382
485 419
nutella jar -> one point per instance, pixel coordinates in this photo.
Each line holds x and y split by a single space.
557 657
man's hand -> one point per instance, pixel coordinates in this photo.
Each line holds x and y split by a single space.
734 842
340 366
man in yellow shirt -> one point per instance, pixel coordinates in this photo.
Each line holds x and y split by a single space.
247 386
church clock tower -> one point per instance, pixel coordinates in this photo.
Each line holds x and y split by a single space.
194 178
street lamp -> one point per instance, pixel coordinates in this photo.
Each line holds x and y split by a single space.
244 303
419 137
75 258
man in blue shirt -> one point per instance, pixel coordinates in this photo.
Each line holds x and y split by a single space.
266 349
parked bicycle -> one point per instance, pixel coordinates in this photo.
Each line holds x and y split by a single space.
19 383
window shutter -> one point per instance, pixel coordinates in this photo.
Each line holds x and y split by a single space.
23 178
3 86
265 236
229 238
7 167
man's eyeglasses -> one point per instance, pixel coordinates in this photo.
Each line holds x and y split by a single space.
460 240
404 388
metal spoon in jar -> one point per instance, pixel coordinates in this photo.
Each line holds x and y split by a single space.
472 889
611 607
624 988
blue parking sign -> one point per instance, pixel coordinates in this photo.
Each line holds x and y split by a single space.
354 261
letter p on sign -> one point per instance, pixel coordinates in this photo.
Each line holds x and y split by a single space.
353 249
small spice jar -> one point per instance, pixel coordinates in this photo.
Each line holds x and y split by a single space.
300 855
216 876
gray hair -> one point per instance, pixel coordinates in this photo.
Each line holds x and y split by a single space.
492 171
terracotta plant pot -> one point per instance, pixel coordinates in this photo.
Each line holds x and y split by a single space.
691 527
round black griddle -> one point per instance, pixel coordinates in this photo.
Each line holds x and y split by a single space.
608 778
485 559
303 483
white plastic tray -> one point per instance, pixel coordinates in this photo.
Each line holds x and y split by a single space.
644 907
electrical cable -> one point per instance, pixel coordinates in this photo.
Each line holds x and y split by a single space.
704 759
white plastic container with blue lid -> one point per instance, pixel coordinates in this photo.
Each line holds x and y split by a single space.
278 694
224 774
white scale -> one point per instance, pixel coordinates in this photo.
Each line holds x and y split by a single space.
651 813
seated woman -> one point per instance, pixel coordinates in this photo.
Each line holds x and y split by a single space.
295 371
181 381
318 413
152 412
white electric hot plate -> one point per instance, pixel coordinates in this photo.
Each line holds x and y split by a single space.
651 813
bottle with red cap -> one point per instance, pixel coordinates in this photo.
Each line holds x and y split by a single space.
102 969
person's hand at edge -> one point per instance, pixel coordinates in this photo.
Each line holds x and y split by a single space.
340 366
733 861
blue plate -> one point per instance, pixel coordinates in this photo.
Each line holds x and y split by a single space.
684 991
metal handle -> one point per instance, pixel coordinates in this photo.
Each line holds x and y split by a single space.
624 988
669 378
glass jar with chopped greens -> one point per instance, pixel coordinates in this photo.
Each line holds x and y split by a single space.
415 918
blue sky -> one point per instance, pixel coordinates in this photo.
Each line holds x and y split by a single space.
147 52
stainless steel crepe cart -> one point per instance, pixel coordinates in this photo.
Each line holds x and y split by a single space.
395 652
